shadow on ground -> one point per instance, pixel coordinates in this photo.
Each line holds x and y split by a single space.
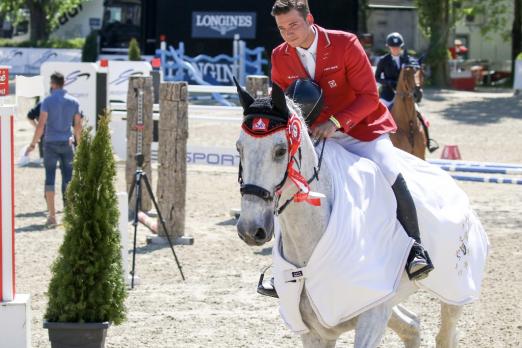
32 214
484 112
31 228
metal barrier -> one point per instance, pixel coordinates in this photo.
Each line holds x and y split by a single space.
206 70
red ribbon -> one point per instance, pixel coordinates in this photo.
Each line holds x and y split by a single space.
293 135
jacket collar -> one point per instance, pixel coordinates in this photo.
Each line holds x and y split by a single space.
323 46
323 41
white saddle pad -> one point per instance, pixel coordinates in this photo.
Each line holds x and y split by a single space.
359 261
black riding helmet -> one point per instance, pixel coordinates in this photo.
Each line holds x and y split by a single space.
394 40
309 96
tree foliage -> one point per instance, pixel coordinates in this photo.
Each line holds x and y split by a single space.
90 48
438 18
43 14
134 50
87 281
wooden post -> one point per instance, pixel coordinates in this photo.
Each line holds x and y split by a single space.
257 85
135 85
172 158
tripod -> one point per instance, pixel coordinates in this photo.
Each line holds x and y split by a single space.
136 186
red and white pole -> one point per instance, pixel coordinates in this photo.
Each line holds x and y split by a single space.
7 246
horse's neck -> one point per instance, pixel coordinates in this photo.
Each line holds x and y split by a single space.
403 110
302 225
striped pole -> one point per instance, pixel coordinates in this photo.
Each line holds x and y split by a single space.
485 170
487 179
7 247
474 164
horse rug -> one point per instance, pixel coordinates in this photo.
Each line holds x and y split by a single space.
358 262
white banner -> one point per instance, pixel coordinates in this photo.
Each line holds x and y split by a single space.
118 77
80 82
27 61
213 156
206 155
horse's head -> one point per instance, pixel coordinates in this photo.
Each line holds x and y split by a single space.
264 146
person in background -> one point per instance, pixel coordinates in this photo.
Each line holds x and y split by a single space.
458 51
389 69
32 116
58 112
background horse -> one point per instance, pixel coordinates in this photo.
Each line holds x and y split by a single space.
266 163
410 135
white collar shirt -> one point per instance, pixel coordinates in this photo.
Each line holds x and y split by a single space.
308 55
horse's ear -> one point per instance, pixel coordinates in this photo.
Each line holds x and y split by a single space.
244 98
279 100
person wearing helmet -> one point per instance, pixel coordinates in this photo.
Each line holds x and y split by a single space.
389 68
352 114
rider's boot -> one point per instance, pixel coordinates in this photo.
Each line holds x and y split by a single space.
418 264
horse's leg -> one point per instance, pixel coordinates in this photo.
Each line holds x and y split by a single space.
371 326
406 325
449 316
313 340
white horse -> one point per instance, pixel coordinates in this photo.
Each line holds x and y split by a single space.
264 169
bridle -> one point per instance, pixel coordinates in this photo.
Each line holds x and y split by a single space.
266 195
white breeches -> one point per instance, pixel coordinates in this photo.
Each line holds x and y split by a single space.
381 151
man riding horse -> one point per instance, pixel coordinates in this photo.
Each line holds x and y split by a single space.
352 114
389 68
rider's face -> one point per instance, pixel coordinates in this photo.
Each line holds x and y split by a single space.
395 51
294 29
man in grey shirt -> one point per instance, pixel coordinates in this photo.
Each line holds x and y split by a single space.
58 113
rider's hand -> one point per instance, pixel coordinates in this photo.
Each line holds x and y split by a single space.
324 130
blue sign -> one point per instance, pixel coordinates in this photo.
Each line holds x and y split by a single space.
224 25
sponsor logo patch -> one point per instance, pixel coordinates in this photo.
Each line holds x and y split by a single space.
260 124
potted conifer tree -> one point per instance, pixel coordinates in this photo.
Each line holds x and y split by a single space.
87 290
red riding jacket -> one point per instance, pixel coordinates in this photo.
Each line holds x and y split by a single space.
346 77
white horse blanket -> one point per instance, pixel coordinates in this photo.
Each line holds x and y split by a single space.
359 261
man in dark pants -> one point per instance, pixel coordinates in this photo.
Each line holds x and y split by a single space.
58 112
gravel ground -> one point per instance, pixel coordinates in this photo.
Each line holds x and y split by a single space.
217 305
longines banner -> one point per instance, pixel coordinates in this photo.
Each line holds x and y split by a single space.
223 25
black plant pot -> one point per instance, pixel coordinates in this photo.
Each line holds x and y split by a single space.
77 335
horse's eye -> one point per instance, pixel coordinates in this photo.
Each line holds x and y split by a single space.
280 152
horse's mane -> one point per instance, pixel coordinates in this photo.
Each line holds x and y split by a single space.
296 109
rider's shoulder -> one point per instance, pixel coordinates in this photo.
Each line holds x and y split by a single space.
280 49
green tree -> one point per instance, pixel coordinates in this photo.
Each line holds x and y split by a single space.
134 50
438 18
87 281
90 48
43 14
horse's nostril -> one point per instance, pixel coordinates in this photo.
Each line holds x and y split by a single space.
260 234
